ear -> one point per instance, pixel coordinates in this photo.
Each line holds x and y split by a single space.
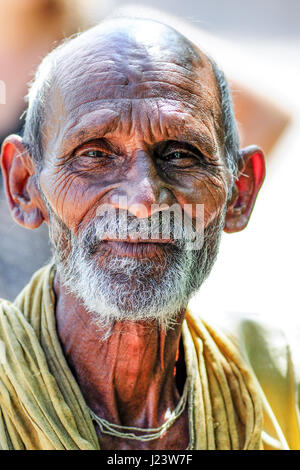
250 179
20 179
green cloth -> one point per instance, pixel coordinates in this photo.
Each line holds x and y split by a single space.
41 405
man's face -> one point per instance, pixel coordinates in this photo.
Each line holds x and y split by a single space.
138 121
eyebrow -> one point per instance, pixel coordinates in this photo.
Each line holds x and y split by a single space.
202 138
199 139
82 132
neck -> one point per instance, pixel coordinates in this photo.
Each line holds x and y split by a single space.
127 378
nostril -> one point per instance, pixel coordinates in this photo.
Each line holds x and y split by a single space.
139 210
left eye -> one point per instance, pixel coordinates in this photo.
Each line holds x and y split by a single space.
179 158
176 155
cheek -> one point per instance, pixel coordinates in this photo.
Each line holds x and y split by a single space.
72 197
209 191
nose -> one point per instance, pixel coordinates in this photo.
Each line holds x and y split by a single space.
143 192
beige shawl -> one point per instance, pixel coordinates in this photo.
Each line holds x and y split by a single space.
41 405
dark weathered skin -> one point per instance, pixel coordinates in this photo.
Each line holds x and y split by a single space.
126 89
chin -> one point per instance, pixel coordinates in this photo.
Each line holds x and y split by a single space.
127 288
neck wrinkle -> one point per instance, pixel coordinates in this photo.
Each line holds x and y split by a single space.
128 373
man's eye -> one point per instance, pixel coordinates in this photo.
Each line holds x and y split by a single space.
176 155
94 154
182 159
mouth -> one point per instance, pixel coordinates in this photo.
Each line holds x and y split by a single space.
137 248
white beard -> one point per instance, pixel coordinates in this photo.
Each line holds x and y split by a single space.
129 289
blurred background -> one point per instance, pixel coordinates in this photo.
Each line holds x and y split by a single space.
257 44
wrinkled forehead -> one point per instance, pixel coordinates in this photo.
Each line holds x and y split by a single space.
145 62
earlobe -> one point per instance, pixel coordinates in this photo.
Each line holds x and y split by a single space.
247 186
20 183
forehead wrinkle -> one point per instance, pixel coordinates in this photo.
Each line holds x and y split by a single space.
101 57
114 68
119 70
202 102
153 83
99 85
105 120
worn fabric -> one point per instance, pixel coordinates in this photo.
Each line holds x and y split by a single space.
41 405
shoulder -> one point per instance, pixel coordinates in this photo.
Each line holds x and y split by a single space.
10 331
20 321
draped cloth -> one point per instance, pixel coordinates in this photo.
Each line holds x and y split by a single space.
41 405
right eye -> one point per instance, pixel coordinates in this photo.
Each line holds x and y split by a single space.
98 154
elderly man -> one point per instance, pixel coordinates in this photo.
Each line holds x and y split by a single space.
100 350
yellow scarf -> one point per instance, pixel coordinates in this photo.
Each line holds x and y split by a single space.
41 405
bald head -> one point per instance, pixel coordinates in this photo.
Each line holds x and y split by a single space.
126 40
120 58
123 45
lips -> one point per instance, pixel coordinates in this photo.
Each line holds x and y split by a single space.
137 249
139 240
